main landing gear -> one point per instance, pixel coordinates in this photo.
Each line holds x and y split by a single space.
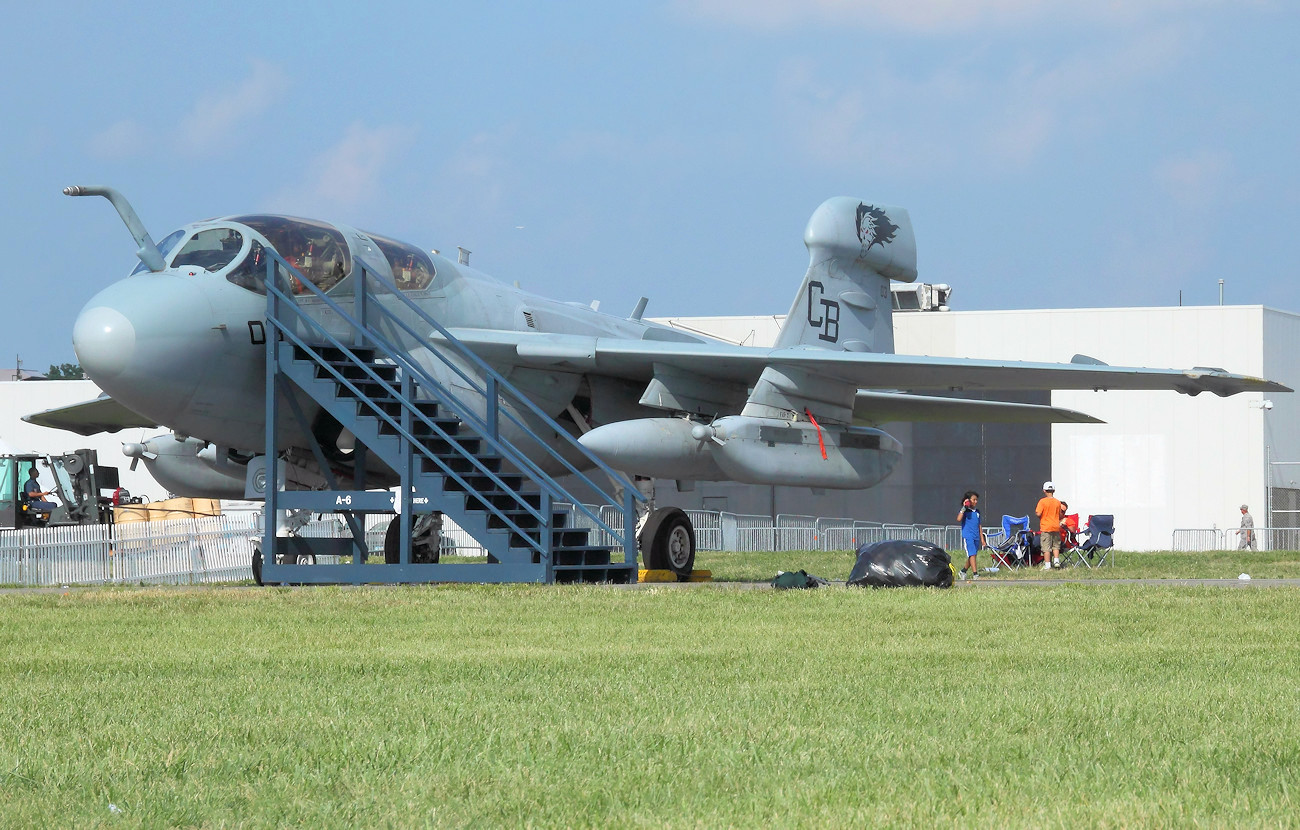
426 539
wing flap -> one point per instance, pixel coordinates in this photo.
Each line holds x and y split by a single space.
876 408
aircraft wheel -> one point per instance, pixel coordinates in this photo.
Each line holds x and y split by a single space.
422 552
288 559
668 542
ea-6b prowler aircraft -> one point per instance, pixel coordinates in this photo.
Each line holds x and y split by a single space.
180 342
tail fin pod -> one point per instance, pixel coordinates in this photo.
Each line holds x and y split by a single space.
855 248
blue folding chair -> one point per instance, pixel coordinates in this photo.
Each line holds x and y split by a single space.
1014 548
1100 542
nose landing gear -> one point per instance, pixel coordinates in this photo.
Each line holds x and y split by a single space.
668 542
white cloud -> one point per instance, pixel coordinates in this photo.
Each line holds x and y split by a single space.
121 140
216 120
217 116
969 114
935 16
348 174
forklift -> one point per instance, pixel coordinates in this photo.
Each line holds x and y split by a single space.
74 480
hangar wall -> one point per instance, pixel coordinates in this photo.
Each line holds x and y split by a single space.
1161 461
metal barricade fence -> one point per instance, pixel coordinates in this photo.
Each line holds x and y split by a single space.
1280 538
596 534
708 529
1200 540
1192 540
848 535
219 548
795 533
749 533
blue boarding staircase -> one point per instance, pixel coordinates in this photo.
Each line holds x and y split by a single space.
448 454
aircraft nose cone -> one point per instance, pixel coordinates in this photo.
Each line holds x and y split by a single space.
104 341
147 341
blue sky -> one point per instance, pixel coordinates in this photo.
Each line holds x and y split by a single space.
1066 153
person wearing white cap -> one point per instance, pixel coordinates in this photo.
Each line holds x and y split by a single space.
1049 512
1246 533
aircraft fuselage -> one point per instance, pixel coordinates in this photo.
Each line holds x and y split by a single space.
185 346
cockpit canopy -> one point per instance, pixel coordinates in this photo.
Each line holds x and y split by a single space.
319 252
412 269
211 249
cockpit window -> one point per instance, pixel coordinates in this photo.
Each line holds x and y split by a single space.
251 273
412 268
317 250
212 249
164 248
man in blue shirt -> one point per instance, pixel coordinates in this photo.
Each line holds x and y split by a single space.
972 534
34 495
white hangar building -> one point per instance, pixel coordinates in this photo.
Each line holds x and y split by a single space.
1162 461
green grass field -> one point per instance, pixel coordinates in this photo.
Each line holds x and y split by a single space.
1095 704
752 567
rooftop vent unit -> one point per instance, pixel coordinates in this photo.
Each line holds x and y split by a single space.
920 296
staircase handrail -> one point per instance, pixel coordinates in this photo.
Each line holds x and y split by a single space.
537 513
506 448
501 382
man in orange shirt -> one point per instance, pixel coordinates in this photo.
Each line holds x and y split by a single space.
1049 512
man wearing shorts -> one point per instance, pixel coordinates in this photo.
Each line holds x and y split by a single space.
972 535
1049 512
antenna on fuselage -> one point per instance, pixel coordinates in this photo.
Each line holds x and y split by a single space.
640 308
148 251
463 255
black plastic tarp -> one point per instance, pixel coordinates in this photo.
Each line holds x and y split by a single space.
901 562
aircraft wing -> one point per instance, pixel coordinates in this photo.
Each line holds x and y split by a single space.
90 417
642 359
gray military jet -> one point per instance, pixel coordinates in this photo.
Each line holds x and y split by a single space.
180 343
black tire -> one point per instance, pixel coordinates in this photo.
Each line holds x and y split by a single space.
420 554
287 559
392 538
668 542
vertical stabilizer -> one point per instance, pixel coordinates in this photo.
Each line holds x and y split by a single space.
855 248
